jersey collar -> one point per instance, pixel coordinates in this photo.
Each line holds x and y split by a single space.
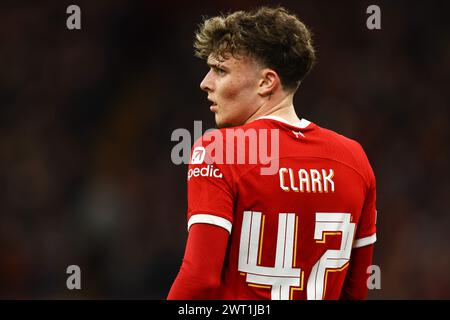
302 124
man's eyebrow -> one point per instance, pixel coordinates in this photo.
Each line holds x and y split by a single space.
216 65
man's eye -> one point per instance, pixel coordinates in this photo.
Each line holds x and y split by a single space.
219 71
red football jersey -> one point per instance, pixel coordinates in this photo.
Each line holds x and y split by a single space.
292 230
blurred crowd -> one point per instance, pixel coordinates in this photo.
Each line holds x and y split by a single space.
86 119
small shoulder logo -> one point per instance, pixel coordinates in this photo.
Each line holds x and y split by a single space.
198 155
297 134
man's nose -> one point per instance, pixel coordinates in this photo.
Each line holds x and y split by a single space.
206 84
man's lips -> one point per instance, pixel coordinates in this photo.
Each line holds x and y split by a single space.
213 106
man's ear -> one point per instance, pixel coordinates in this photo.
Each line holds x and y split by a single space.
268 83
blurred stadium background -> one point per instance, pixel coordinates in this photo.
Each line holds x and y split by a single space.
86 118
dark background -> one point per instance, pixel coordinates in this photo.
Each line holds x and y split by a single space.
86 118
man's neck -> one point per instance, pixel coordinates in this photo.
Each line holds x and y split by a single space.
283 108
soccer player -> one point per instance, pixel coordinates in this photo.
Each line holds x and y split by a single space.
305 227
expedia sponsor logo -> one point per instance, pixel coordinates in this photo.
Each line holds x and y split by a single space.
208 171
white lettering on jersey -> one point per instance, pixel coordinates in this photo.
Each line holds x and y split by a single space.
306 180
330 223
282 276
208 171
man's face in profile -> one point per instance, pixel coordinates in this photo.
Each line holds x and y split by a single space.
232 84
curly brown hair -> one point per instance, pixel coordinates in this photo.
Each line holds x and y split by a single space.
272 36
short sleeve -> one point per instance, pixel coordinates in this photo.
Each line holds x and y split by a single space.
210 192
366 231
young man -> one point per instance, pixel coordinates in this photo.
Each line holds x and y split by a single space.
306 229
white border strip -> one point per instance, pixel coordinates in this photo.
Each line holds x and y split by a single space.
365 241
210 219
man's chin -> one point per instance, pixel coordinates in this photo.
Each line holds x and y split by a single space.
220 123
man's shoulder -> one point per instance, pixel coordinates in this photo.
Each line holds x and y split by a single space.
346 150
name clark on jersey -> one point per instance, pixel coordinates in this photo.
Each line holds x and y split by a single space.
306 180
